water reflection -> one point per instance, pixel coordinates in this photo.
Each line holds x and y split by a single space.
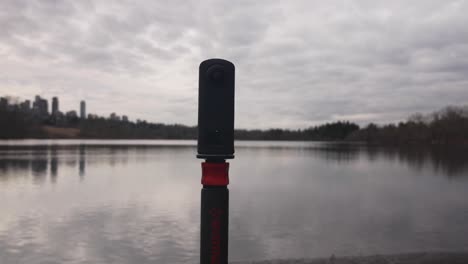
53 164
16 160
82 161
41 161
447 161
124 203
39 169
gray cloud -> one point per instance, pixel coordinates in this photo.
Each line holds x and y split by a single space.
298 63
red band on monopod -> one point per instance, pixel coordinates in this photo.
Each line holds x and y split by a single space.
215 174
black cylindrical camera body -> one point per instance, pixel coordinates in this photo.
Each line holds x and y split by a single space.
216 109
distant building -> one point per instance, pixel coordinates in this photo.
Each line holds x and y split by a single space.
114 117
83 110
71 114
40 106
125 118
25 106
55 106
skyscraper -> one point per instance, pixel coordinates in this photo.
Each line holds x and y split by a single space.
55 106
83 110
40 106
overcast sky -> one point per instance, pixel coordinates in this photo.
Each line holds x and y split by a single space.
298 63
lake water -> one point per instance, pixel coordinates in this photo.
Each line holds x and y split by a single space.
138 201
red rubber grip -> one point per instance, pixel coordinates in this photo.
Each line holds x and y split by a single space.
215 174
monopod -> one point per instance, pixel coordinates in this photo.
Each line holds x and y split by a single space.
215 146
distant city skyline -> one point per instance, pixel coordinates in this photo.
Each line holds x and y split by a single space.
40 107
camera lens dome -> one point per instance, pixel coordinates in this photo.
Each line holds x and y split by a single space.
216 73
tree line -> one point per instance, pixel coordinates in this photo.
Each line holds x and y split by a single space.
446 126
104 128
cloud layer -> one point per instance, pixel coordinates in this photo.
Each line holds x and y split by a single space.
299 63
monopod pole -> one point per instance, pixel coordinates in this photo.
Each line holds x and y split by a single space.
214 212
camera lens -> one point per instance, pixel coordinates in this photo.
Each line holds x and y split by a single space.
216 73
